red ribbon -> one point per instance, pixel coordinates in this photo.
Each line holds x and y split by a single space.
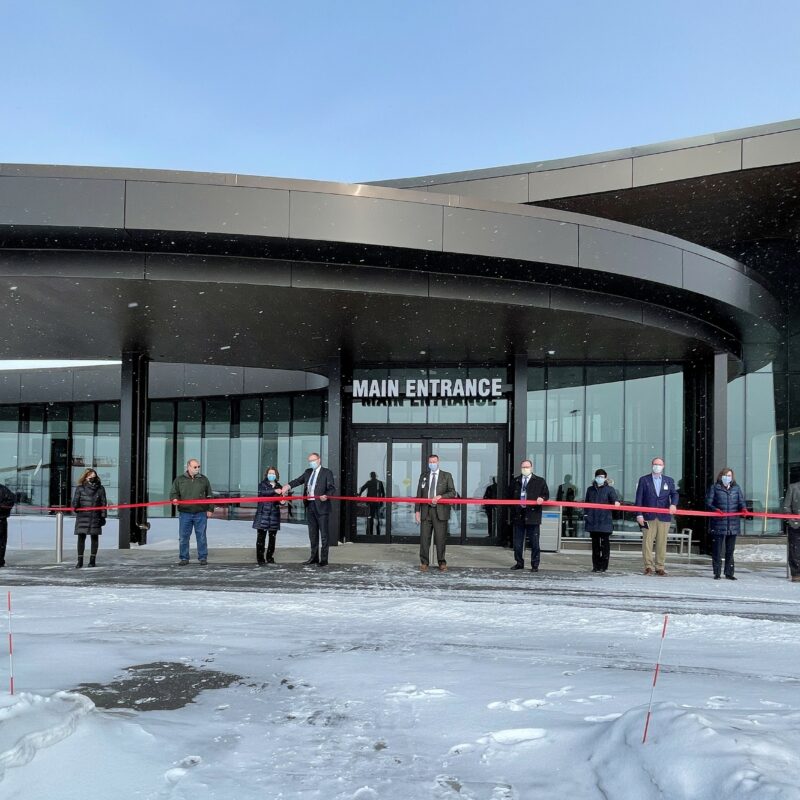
455 501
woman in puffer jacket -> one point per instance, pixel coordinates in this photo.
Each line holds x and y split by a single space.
268 516
89 493
726 496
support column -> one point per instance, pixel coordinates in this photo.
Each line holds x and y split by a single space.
719 416
519 428
133 447
335 445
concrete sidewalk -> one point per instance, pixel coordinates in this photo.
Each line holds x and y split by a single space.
380 555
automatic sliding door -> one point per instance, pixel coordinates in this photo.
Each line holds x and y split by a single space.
405 470
482 466
370 518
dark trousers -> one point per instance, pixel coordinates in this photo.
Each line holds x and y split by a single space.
374 519
601 547
82 544
719 545
794 551
260 540
523 532
318 533
3 540
437 527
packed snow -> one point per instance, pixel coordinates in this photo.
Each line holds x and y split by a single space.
371 682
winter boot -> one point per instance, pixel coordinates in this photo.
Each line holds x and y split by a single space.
271 547
92 562
80 562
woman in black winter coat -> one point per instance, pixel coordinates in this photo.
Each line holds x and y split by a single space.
268 515
89 493
598 521
727 496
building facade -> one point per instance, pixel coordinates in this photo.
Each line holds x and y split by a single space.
596 311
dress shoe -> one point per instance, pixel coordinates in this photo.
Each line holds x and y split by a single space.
322 563
661 572
270 560
309 561
423 567
534 569
731 577
443 566
648 571
717 577
518 566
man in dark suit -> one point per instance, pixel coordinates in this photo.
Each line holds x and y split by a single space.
7 502
317 482
791 505
373 488
435 484
655 490
527 519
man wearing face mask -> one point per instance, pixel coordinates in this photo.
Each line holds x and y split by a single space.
598 521
432 517
655 490
317 483
526 519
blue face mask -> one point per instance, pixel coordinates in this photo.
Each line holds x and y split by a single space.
313 464
599 480
272 477
433 467
726 480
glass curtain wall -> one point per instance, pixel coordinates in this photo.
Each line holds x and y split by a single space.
617 417
756 446
235 441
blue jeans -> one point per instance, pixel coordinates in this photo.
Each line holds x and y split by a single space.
531 533
185 523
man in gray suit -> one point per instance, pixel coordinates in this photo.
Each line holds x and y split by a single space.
791 505
435 484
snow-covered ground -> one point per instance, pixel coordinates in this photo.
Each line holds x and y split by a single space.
363 683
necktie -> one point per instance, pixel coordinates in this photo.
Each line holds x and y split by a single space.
432 486
312 483
523 495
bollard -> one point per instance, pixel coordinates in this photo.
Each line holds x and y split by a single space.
59 537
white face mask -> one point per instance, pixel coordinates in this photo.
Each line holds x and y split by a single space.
599 480
658 469
526 471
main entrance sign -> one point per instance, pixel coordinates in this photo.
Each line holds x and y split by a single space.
428 388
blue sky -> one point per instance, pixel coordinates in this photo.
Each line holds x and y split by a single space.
375 89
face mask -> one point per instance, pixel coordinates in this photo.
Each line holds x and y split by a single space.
657 469
272 477
433 467
599 480
93 480
726 480
313 464
526 471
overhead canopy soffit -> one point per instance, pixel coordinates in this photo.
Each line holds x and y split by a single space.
46 209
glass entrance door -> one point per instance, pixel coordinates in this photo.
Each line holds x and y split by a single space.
389 464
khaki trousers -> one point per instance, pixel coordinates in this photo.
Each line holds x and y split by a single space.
655 530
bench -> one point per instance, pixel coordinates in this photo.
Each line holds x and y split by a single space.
684 537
